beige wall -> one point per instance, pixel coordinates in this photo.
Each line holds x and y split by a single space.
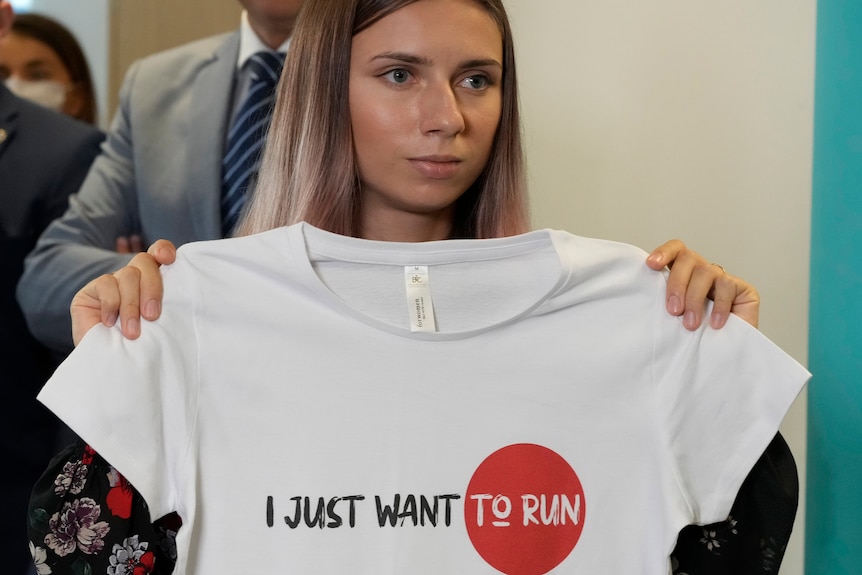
680 118
142 27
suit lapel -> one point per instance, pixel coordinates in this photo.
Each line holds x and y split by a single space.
212 95
8 118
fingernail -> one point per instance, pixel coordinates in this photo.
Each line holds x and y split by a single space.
674 305
690 320
132 327
151 309
654 258
717 320
111 320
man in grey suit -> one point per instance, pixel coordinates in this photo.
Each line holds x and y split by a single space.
160 173
44 156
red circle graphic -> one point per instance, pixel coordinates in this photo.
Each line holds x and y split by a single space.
524 509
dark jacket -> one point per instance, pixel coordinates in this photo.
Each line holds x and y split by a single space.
44 157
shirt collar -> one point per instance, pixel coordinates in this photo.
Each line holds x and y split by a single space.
250 43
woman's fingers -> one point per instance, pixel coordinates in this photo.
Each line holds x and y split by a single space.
131 292
693 280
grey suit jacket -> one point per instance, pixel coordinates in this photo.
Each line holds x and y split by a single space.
159 175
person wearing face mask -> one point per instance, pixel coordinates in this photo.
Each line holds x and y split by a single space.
41 61
44 157
161 173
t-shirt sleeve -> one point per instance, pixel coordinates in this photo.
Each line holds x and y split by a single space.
134 401
721 396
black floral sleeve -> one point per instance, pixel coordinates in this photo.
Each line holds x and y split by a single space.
752 541
86 519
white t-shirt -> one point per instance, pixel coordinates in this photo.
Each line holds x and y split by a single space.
558 419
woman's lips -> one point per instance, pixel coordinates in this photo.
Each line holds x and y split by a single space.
436 167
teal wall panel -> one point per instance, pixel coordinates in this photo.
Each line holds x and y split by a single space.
834 501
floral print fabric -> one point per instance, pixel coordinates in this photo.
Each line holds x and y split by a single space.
86 519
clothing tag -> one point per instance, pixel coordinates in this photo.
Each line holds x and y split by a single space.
420 309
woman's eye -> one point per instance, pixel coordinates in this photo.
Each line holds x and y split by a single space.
36 74
478 82
398 76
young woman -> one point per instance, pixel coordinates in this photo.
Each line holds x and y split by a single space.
42 61
300 413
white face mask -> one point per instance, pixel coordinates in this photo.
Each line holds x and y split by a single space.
46 93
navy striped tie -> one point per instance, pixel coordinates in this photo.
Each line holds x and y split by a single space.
245 139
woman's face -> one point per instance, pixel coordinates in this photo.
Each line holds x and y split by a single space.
29 62
425 103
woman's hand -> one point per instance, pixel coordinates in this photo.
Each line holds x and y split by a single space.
129 293
693 279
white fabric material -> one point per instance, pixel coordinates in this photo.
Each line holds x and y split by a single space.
284 367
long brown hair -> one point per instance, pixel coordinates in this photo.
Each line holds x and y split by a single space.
63 43
308 171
